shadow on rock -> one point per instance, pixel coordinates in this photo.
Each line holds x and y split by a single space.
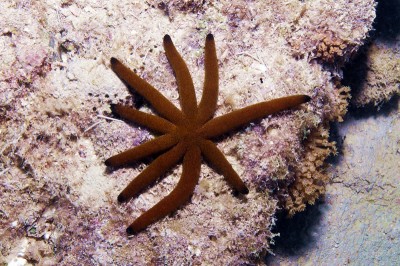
298 234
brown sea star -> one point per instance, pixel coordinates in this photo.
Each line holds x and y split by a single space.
184 134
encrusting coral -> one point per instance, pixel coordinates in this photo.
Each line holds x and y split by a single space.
343 97
309 173
326 40
186 133
310 177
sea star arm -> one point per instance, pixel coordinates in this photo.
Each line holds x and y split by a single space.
139 152
161 104
208 103
187 96
225 123
180 195
153 171
217 159
149 121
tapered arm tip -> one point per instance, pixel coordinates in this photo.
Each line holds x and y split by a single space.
121 198
113 60
210 37
167 38
130 231
113 110
108 163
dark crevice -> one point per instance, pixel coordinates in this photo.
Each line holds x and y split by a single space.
355 72
298 234
384 109
387 22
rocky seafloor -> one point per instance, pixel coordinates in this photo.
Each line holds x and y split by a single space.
58 200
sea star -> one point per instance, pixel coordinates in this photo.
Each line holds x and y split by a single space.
184 134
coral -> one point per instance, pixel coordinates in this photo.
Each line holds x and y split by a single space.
333 103
317 34
376 76
342 98
310 178
331 49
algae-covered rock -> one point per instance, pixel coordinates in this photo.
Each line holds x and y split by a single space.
376 76
58 201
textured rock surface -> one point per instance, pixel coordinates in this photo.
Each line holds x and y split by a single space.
358 221
375 74
58 203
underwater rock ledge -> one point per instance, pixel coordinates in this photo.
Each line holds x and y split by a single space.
58 201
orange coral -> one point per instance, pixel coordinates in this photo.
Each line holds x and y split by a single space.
310 179
330 49
343 95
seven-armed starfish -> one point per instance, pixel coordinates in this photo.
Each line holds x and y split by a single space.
184 134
